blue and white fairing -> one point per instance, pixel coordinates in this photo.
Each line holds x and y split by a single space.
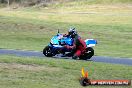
90 42
58 40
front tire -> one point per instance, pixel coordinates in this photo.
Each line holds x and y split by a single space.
47 51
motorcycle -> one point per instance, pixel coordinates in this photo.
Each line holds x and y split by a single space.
58 41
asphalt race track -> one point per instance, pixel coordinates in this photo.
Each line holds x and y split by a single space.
124 61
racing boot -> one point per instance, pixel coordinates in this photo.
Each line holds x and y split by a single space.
75 57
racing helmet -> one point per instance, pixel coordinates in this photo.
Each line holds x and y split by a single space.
72 32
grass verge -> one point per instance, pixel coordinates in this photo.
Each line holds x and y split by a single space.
27 72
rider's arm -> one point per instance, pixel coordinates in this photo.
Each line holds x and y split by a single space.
65 35
70 47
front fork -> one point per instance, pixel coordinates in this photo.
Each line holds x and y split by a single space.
54 50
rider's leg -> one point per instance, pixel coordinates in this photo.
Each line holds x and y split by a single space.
80 50
77 54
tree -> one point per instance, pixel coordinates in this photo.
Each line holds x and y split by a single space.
2 1
8 2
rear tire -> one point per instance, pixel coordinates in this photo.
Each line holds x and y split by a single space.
88 54
47 51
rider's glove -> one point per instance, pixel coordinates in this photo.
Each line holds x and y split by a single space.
67 46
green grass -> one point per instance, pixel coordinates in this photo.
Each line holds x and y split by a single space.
32 72
85 3
32 28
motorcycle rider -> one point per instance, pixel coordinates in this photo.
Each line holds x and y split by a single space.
78 47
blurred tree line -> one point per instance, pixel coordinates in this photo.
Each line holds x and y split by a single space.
28 2
20 1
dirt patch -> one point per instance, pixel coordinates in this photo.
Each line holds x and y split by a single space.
32 67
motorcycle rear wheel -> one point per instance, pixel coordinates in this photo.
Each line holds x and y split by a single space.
89 53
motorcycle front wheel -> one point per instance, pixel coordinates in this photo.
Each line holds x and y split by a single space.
47 51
